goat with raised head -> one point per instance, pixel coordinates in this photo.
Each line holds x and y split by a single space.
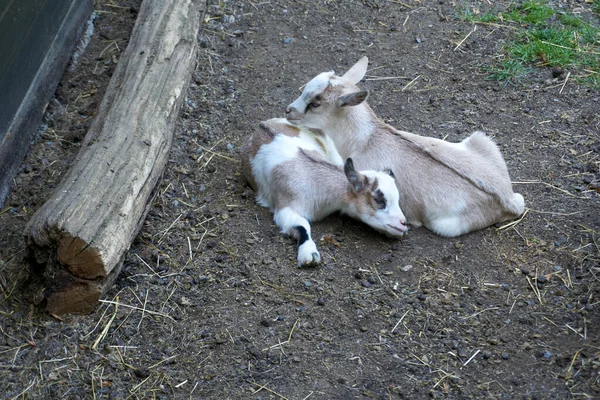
450 188
290 168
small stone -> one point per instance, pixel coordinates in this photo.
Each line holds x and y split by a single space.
505 356
265 322
547 354
406 268
561 241
366 283
422 297
307 284
321 301
288 40
557 72
542 279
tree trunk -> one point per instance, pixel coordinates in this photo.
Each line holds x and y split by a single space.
82 232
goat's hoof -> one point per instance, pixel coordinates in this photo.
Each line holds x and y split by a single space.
312 261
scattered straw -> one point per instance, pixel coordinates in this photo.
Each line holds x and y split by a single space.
143 310
139 309
399 321
292 331
190 249
385 78
169 228
263 387
136 387
575 330
513 223
573 360
107 327
409 84
22 394
482 311
535 289
565 82
163 361
545 183
470 358
465 38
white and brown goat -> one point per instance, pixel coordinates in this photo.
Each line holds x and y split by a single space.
297 174
450 188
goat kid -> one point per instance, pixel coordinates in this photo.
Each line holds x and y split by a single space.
450 188
291 169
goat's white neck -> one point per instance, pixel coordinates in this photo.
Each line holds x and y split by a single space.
351 132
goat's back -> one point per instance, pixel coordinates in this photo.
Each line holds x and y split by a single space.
437 178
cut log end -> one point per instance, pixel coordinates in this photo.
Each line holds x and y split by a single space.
80 257
72 295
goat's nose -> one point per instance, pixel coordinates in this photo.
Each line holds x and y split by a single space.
288 110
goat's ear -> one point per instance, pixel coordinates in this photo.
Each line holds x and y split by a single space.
352 99
358 71
354 177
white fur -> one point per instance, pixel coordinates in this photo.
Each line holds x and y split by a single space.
299 179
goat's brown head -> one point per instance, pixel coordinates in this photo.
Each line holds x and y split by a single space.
374 199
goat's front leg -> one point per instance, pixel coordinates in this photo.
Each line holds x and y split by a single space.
295 225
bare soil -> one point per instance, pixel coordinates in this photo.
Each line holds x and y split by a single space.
211 304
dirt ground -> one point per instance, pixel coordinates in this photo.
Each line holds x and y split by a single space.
211 304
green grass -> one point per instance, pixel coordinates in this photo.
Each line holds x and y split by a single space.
545 37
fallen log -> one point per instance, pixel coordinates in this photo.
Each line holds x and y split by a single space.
80 235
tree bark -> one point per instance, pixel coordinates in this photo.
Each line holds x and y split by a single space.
80 235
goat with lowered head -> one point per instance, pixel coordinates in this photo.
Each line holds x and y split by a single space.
291 169
450 188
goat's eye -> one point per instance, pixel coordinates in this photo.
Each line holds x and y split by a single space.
316 102
379 199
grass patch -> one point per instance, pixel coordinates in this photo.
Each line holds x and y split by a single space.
544 36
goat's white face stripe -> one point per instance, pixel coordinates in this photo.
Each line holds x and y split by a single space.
317 85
